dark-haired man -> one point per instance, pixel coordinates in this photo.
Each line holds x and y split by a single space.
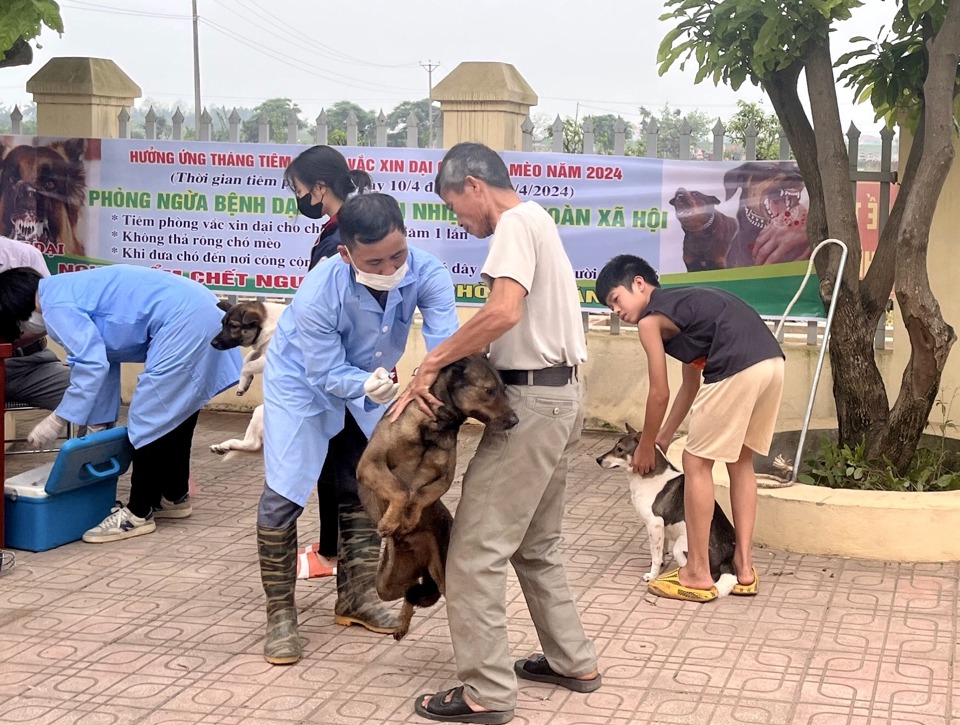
324 389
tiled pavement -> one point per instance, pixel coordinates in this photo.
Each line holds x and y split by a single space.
167 628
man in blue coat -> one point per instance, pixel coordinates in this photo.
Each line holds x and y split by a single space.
325 387
112 315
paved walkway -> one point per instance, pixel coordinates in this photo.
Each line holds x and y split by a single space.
167 629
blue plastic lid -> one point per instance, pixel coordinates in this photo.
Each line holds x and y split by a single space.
87 460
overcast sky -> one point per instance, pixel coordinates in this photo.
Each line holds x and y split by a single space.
581 58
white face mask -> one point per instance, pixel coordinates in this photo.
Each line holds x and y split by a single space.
34 325
379 282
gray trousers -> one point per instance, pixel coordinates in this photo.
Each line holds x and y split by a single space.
39 379
511 510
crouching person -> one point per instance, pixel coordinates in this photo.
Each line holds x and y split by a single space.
325 387
111 315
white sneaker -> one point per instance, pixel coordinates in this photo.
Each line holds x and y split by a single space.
179 509
120 524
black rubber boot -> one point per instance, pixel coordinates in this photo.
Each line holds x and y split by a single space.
358 557
278 571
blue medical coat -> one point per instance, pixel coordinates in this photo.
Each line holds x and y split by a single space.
111 315
326 345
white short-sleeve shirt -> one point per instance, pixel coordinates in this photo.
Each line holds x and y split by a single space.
526 247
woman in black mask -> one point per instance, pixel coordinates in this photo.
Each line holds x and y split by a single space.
348 546
322 181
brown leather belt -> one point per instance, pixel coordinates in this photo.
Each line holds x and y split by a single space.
31 348
553 377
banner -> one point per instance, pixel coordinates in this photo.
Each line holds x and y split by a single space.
218 213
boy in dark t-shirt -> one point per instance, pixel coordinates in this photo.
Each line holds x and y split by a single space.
723 343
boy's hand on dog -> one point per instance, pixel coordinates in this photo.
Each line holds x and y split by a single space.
380 387
781 243
644 458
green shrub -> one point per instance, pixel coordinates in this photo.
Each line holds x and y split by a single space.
933 468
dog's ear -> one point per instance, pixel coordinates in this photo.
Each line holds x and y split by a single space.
734 179
631 430
74 148
224 305
710 199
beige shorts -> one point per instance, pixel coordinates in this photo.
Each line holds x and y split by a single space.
738 411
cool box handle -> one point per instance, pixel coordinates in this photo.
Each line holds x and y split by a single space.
114 469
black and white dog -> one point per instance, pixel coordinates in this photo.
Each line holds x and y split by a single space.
658 499
247 324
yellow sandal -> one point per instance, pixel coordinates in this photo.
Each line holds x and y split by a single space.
668 585
747 590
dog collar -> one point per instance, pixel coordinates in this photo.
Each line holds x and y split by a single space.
706 225
754 218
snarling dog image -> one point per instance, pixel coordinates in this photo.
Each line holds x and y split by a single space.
707 233
769 195
42 190
247 324
408 465
658 499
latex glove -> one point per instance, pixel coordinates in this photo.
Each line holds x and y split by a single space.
380 387
47 431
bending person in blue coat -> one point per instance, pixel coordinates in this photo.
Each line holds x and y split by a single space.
325 387
111 315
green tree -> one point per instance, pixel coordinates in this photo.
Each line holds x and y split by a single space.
277 111
913 70
22 21
669 120
397 123
337 121
766 125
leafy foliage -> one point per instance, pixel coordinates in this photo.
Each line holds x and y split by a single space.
734 41
337 121
891 69
397 123
766 124
933 467
277 111
669 120
25 19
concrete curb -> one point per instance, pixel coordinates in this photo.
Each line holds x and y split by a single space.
884 525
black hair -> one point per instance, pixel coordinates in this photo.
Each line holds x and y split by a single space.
621 271
368 218
18 300
326 165
471 159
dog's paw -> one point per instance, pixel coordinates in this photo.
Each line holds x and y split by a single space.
649 576
387 528
218 449
400 632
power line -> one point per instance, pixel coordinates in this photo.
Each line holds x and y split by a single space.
271 53
96 8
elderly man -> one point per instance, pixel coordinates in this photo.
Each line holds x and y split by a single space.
511 506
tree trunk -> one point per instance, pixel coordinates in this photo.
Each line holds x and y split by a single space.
930 336
858 388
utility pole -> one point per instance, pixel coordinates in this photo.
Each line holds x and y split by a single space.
430 67
196 72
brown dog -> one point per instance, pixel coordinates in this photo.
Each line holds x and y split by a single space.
42 190
408 465
769 193
707 233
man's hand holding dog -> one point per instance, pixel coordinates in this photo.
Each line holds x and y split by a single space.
380 387
419 391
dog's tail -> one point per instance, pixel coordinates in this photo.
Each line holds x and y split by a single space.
725 584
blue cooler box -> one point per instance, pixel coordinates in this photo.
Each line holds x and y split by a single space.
54 504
